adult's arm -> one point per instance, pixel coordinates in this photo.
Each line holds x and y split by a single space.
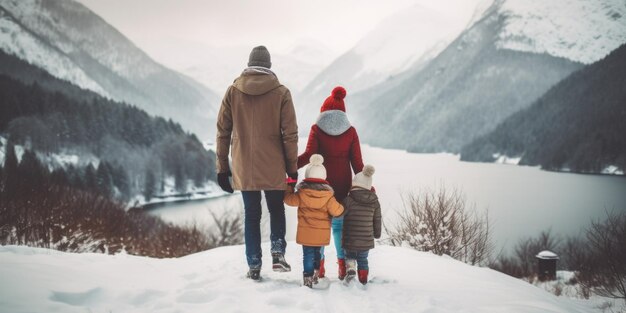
355 154
311 148
289 130
224 131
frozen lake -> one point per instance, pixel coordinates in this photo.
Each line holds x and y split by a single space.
522 201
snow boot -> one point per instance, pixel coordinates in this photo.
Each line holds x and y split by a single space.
307 280
279 264
363 276
316 276
350 270
254 274
341 271
322 270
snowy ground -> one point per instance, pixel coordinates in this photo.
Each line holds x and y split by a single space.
402 280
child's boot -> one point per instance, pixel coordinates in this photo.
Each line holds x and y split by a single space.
341 271
307 280
363 276
322 271
350 269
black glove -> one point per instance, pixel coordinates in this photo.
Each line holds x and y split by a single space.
293 176
224 182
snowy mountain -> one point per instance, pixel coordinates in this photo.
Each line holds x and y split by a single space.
405 40
217 67
72 43
579 30
401 280
577 126
488 73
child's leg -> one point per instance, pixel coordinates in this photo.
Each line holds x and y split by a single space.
363 266
361 259
316 263
337 226
317 257
308 257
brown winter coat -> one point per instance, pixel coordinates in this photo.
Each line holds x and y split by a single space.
361 221
316 205
257 119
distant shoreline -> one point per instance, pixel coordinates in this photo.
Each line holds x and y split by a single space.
178 199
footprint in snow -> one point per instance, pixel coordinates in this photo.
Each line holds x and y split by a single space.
78 298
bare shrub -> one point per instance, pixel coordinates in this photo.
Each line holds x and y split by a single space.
77 221
228 230
606 274
527 249
522 264
440 222
508 265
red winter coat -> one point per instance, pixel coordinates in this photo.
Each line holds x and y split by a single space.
337 141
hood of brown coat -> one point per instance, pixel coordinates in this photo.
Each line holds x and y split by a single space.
315 196
363 196
256 83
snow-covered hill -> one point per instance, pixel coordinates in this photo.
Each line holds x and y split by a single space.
402 280
507 59
16 40
70 42
402 41
580 30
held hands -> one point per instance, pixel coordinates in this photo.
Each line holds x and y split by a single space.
292 179
224 182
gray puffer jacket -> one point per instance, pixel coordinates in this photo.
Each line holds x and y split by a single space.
362 220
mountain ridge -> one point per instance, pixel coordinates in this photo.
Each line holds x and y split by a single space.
576 126
77 45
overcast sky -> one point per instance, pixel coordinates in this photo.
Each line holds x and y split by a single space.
279 24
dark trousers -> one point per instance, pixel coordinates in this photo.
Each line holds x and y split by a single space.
360 257
311 257
252 224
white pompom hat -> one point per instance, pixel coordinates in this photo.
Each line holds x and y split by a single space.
364 178
315 169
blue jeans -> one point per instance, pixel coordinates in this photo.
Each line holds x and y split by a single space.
361 258
337 227
311 259
252 224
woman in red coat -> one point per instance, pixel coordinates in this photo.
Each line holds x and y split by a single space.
336 140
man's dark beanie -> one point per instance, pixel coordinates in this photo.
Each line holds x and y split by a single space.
260 57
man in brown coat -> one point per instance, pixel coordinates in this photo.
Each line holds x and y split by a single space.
257 121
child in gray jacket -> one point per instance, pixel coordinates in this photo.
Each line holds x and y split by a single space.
361 224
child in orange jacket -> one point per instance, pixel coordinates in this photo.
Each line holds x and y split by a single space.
316 205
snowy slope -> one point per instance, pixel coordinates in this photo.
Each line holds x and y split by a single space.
580 30
405 40
17 41
398 42
69 41
402 280
509 57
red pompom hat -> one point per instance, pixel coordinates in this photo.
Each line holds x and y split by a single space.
335 100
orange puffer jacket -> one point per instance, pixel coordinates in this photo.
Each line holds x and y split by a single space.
316 205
